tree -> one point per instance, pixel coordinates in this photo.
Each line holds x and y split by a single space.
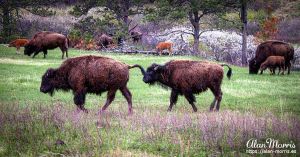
194 10
244 30
9 13
121 8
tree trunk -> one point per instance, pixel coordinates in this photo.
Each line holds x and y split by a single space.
196 39
195 20
6 23
244 30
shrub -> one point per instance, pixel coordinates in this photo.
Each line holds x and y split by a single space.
288 30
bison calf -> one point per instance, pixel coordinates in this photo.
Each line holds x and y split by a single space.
272 63
89 74
186 78
163 46
18 43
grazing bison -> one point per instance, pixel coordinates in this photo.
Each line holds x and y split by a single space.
186 78
105 40
272 63
136 36
271 48
89 74
18 43
164 45
44 41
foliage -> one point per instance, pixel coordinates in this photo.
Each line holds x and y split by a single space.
193 9
269 29
227 46
288 30
10 9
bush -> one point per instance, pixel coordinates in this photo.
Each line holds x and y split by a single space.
227 46
288 30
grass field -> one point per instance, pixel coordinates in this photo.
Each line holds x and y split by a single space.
35 124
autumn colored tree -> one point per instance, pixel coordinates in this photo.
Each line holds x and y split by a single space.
269 29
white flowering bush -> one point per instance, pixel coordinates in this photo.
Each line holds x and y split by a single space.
223 45
227 46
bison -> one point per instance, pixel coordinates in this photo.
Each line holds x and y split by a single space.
272 63
18 43
105 40
186 78
271 48
136 36
162 46
44 41
89 74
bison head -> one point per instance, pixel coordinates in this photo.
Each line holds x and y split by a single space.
253 66
29 49
47 85
152 74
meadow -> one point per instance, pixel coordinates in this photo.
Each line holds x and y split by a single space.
34 124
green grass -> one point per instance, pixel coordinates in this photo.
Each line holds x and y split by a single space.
20 78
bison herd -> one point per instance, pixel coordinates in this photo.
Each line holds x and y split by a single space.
95 74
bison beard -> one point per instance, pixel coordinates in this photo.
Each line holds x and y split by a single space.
187 78
89 74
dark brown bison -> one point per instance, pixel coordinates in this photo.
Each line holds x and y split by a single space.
89 74
136 36
271 48
272 63
186 78
104 41
44 41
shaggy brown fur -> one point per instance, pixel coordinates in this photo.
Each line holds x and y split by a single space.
18 43
104 41
163 46
44 41
136 36
186 78
271 48
272 63
89 74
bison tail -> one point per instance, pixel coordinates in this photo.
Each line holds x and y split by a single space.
229 72
138 66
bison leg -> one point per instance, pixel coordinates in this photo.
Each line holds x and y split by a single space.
289 67
67 54
63 50
79 99
45 53
170 51
218 97
126 93
35 53
191 99
279 70
212 105
173 99
18 50
110 97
